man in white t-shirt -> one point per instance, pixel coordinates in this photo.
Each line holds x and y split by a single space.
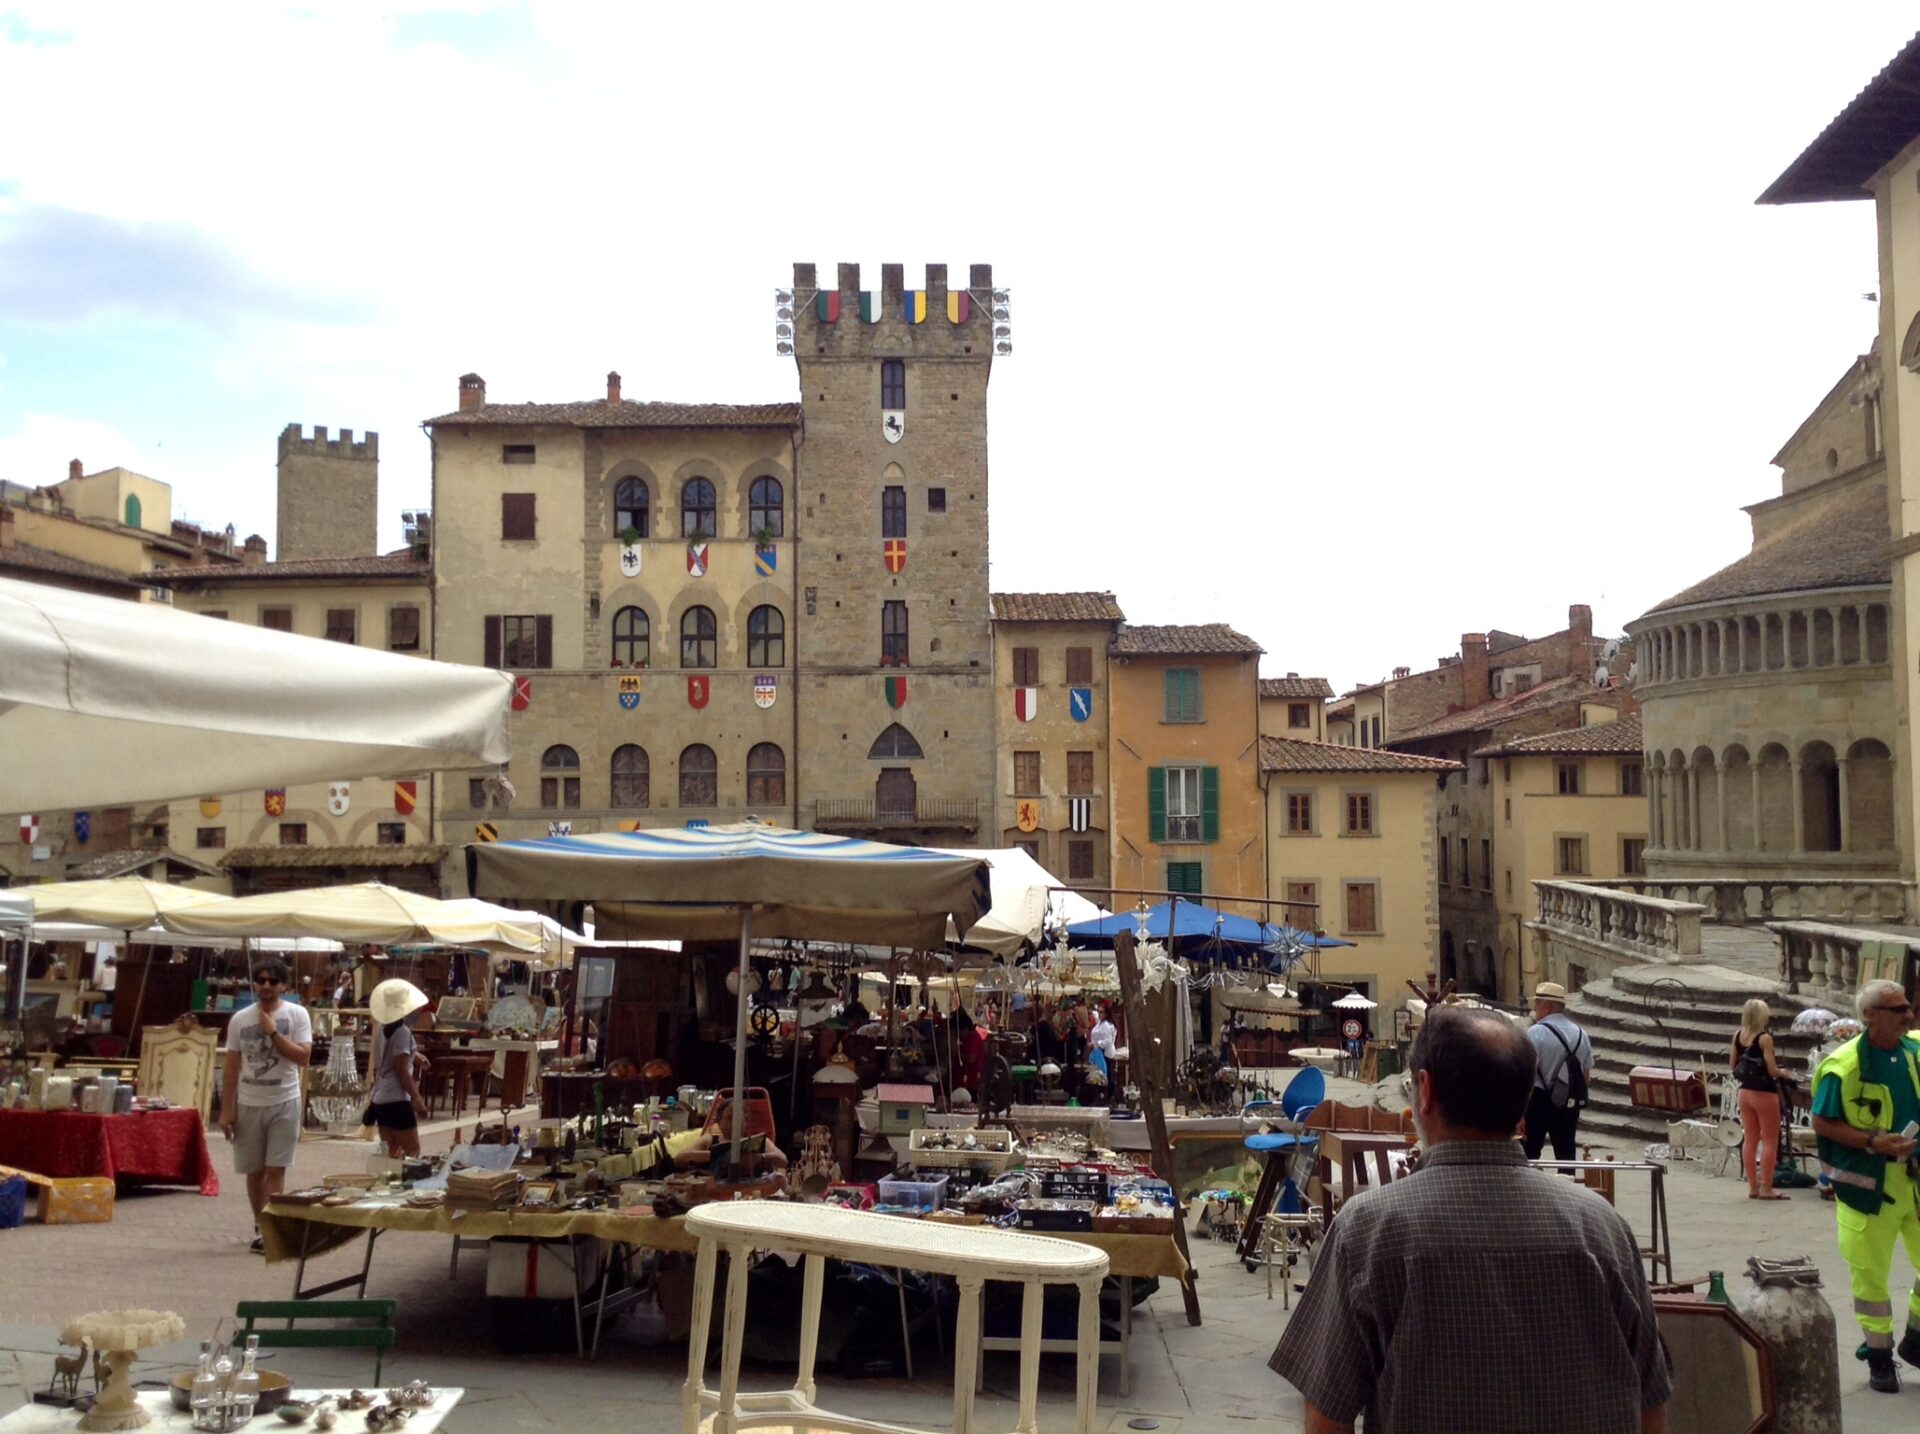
267 1044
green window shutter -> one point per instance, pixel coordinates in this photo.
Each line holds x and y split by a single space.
1170 695
1184 877
1210 804
1191 712
1156 804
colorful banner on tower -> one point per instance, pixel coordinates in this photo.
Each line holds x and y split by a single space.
1080 703
699 689
896 692
766 559
29 829
959 305
893 552
914 306
275 801
629 693
893 424
826 307
869 306
766 687
1079 813
696 560
1026 701
209 807
82 826
339 798
1026 814
522 694
406 796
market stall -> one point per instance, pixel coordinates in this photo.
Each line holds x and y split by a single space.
152 1147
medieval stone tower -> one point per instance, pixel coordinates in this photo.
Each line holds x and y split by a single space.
895 650
328 493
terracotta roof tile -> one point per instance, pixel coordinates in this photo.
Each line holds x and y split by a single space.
1056 607
398 566
1295 687
356 856
1507 709
1879 122
25 559
1199 640
1279 754
599 413
1599 739
103 865
1840 541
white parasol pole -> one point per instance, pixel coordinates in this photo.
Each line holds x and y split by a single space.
740 1035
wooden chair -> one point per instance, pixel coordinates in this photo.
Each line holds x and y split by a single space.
377 1337
177 1062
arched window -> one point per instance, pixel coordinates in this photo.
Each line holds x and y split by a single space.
559 777
631 506
696 509
632 777
896 742
766 510
699 777
766 637
766 776
697 646
632 637
133 511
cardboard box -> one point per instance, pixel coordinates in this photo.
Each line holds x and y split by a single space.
542 1269
68 1200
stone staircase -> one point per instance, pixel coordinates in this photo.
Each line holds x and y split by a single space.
1615 1014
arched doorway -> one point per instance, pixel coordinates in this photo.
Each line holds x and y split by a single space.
1819 798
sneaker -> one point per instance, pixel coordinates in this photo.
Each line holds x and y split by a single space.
1909 1350
259 1245
1881 1374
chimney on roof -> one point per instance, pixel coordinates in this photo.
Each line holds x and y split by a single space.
473 391
1400 672
613 388
254 551
73 469
1293 674
1579 640
1475 684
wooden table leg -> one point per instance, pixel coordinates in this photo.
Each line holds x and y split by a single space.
1086 1393
1033 1298
733 1340
703 1266
811 1283
966 1351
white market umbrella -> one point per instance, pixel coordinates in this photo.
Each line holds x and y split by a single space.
1024 894
125 903
1354 1001
104 701
367 911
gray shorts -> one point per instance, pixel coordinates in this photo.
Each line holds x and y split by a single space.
265 1135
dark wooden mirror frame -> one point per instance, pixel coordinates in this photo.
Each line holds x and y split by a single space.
1739 1358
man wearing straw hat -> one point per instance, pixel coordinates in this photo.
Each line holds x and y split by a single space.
1553 1111
267 1045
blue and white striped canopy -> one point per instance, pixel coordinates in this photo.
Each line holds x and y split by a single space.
693 883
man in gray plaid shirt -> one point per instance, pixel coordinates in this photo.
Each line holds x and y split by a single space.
1477 1293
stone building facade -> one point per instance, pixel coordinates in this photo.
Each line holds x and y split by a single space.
1769 688
1053 793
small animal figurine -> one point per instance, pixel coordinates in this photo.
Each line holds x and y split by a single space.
356 1400
67 1369
326 1415
99 1370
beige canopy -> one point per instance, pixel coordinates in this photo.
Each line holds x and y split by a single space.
124 903
106 701
367 911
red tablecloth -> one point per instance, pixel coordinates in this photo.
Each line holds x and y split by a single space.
162 1147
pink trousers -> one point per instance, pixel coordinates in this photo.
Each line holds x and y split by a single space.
1760 1118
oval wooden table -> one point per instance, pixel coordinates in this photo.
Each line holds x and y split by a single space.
970 1255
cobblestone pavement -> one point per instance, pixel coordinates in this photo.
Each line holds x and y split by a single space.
178 1250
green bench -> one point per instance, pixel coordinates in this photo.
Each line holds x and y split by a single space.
377 1337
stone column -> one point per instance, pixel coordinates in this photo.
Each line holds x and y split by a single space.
1799 846
1833 621
1720 803
1846 825
1693 806
1759 827
1740 643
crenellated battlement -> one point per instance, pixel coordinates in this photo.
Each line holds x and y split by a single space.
293 442
843 320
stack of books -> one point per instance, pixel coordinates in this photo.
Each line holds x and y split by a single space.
482 1189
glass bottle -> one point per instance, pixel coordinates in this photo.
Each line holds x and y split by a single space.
246 1384
219 1412
201 1399
1717 1288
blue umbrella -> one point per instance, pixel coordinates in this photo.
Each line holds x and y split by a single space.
1238 937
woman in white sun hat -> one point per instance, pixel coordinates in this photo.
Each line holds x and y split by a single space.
397 1063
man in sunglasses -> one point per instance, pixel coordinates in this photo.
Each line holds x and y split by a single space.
267 1044
1866 1104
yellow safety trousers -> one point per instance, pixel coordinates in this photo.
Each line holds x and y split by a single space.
1866 1244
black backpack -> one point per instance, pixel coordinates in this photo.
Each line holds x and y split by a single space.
1576 1074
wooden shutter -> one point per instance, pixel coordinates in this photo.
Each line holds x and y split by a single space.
1210 804
1026 667
543 640
1156 804
492 658
516 516
1080 665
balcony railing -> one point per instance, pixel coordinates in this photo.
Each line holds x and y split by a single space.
1737 901
865 812
1823 961
1649 927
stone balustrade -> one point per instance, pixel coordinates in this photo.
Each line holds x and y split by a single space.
1650 928
1823 962
1738 901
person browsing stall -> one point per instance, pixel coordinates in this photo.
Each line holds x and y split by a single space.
396 1105
268 1044
1477 1293
1758 1074
1866 1106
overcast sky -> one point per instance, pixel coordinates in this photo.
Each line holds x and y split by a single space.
1356 329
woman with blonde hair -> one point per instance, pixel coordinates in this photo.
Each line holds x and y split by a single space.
1759 1076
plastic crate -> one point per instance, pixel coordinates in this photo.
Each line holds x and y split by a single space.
1069 1215
13 1202
1075 1185
924 1194
993 1150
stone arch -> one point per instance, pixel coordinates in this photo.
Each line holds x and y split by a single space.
629 471
741 497
1819 798
1656 799
666 632
1704 793
696 470
1736 780
894 744
1869 802
1876 640
1773 774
